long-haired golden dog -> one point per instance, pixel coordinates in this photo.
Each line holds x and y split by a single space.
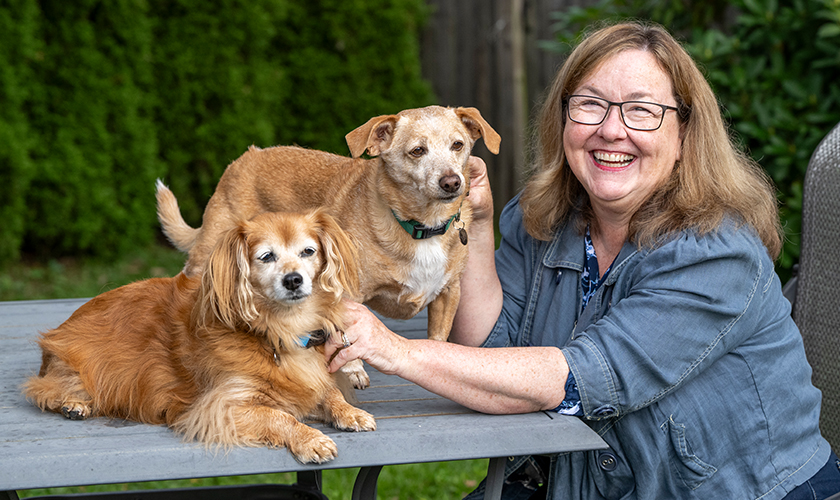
225 357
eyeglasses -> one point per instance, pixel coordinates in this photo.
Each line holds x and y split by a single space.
637 115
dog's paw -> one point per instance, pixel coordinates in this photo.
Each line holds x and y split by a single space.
313 447
360 379
355 371
355 421
75 411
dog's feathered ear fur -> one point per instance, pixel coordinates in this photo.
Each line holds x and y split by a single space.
478 127
226 292
373 137
340 274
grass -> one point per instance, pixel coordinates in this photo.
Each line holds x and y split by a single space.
64 278
79 277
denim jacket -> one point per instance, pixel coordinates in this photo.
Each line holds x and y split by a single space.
687 362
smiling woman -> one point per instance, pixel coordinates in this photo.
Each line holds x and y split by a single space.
633 287
617 165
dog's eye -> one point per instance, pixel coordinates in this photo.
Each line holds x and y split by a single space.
417 152
267 257
457 146
308 252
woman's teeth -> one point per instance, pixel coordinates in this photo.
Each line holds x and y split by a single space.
615 160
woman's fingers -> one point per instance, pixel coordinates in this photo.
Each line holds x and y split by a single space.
480 195
366 338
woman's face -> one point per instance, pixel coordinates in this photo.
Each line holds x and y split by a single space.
620 167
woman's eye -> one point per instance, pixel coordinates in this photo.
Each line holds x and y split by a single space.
417 152
308 252
591 104
642 110
267 257
457 146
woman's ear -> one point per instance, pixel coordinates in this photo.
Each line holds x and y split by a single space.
225 289
340 274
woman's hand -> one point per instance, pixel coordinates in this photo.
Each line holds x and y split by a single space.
369 340
480 195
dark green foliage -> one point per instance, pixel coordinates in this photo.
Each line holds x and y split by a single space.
775 66
220 88
354 63
91 126
18 46
98 98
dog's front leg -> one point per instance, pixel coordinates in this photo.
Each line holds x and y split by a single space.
355 371
344 416
278 428
442 311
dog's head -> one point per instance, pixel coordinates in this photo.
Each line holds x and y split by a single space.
278 260
426 148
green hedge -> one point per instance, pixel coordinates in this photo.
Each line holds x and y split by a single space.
775 66
17 45
99 98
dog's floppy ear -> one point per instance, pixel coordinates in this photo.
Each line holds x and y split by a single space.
373 136
225 290
341 272
479 127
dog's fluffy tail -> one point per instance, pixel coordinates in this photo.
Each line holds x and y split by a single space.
174 227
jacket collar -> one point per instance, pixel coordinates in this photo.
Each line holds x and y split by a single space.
565 250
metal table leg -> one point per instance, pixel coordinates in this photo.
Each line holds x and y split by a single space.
495 479
365 486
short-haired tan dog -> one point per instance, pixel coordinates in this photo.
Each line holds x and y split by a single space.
406 209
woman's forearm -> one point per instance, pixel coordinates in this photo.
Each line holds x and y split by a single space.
481 291
503 380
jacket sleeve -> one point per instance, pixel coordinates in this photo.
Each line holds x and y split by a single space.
685 304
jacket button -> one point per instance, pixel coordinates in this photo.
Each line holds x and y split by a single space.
607 462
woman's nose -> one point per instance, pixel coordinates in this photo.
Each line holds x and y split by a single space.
613 127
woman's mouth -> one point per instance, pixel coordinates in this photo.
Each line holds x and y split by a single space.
613 160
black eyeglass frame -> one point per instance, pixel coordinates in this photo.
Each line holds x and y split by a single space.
620 105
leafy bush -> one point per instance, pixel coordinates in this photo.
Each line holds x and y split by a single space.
774 65
18 44
89 115
100 98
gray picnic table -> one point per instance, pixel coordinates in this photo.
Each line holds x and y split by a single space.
42 450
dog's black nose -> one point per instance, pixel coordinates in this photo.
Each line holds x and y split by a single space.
450 183
292 281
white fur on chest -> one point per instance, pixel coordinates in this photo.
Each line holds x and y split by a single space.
427 275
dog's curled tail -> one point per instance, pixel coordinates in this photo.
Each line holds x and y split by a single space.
174 227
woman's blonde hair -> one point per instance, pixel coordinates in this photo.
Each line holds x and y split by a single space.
713 179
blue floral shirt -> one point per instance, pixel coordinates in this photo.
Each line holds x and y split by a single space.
571 404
